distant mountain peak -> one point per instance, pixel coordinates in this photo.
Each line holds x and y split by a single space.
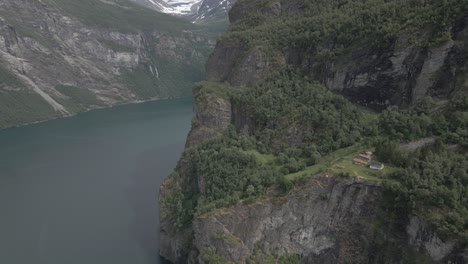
213 8
196 10
173 7
179 7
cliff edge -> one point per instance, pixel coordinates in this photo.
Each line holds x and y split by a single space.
273 169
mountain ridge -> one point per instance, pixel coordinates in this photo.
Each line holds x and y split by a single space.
192 10
60 57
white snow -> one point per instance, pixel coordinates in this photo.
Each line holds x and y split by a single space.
176 7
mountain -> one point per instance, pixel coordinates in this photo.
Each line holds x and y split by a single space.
193 10
174 7
327 131
212 9
391 70
61 57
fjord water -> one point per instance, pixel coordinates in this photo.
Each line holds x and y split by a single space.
85 189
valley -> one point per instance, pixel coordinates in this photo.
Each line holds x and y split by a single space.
322 131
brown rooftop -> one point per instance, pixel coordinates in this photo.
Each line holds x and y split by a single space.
364 156
360 161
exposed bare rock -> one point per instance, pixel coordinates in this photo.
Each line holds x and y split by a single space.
212 117
59 55
324 221
423 238
399 74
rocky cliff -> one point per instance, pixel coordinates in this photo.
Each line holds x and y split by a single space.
323 221
60 57
399 70
326 220
212 116
330 218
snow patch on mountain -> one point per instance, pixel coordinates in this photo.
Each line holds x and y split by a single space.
213 8
177 7
194 10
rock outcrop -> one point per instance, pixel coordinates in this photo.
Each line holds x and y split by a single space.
424 239
212 117
329 219
400 73
326 220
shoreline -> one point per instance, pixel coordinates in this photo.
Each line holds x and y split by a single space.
93 109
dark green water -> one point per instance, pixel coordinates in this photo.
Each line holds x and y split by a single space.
84 189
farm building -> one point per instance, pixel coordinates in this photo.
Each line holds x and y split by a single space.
365 157
360 162
377 166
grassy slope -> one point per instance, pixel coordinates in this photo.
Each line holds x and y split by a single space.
20 107
17 105
340 161
77 99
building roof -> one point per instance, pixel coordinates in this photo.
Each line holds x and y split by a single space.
368 157
360 161
377 166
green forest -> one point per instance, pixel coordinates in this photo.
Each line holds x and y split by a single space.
289 129
332 27
298 126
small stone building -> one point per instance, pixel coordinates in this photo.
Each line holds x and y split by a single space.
377 166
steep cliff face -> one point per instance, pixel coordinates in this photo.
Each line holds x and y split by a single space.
400 74
327 220
212 117
398 71
61 57
330 218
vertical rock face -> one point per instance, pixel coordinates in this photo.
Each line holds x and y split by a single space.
325 221
74 61
399 73
223 60
212 117
423 238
